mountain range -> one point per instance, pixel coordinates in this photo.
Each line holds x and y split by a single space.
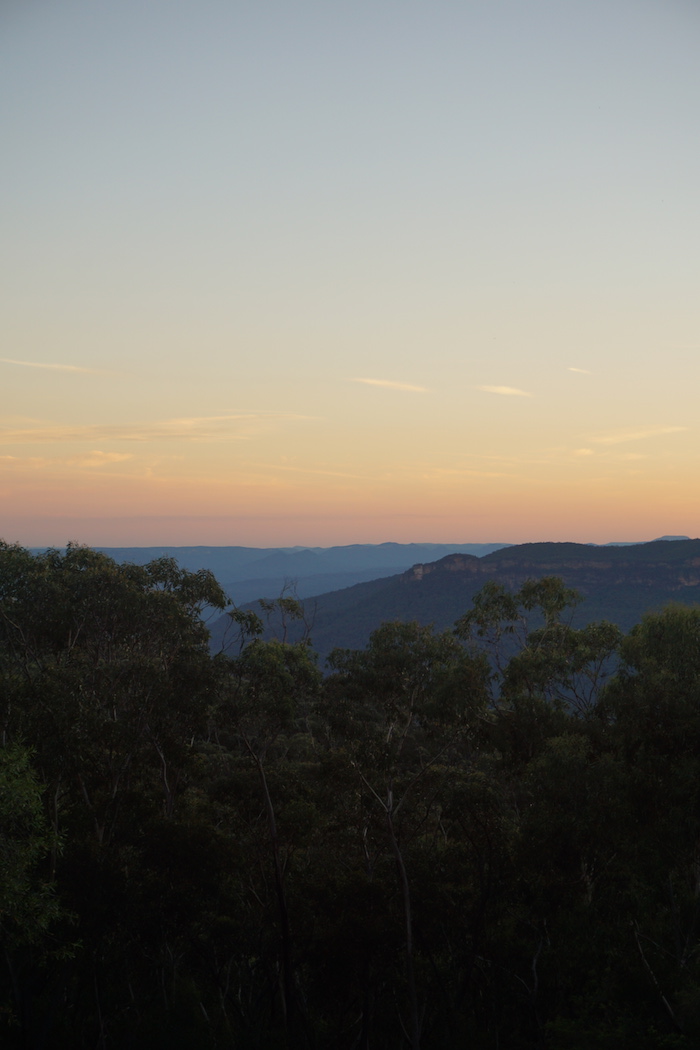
616 582
247 573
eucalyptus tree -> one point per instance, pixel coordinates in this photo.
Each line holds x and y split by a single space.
266 697
651 715
106 681
406 706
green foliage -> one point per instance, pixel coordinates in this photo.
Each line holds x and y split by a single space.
27 906
654 701
408 678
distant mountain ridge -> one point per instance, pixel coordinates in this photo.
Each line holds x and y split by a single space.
247 573
617 583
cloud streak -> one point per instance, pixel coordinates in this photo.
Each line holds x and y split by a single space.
236 426
504 391
618 437
582 371
392 385
53 367
308 470
466 473
102 459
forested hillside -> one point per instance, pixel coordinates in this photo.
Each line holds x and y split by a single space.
473 837
617 583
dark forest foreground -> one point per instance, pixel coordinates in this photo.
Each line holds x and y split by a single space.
481 838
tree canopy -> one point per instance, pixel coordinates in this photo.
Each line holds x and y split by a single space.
485 837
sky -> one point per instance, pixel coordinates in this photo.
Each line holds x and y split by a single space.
348 271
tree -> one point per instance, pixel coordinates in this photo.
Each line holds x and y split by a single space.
651 715
266 693
27 903
106 670
420 694
107 678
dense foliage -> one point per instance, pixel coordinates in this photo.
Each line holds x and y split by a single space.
487 838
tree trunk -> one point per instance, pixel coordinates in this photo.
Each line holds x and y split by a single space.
414 1020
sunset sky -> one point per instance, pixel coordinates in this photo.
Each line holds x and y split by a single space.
279 273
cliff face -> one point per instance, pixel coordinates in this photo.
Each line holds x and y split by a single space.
669 566
452 563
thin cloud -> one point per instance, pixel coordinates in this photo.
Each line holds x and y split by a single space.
617 437
238 427
583 371
308 470
454 472
392 385
505 391
194 421
52 367
102 459
584 452
23 462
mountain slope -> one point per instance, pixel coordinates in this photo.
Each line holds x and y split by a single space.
616 583
247 573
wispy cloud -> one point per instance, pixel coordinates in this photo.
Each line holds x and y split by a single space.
235 426
466 473
392 384
23 462
583 452
506 391
93 460
52 367
617 437
309 470
102 459
583 371
195 421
